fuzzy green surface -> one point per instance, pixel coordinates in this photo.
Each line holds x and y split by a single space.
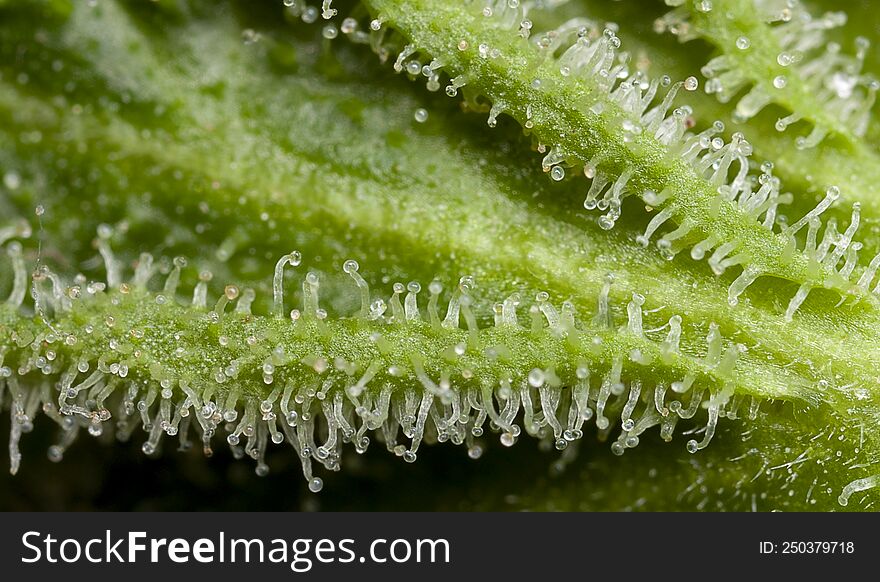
192 141
529 86
845 159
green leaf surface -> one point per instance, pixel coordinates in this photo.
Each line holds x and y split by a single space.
232 135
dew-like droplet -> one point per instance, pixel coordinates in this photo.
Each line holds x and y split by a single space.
11 180
310 15
348 26
536 378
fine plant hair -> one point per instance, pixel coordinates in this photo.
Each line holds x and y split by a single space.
242 228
